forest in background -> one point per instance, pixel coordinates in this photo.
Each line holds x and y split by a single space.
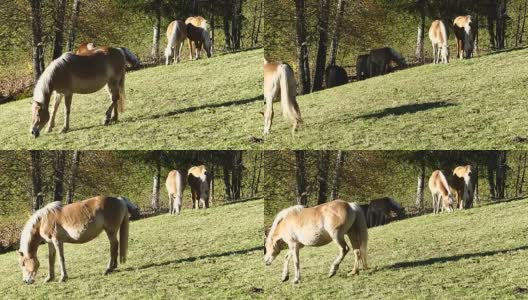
138 175
314 177
140 25
303 32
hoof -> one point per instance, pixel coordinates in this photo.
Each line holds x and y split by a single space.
297 280
331 273
354 272
108 271
63 278
285 278
64 130
48 279
49 129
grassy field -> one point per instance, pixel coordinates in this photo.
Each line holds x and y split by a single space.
206 254
475 254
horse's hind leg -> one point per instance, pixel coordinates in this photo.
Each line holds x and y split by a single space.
268 114
171 204
56 103
356 248
111 112
112 264
343 250
67 109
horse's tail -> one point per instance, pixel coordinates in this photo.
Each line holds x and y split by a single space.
288 88
122 94
443 33
131 207
123 240
130 57
172 38
359 233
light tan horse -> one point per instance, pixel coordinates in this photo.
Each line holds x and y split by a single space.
75 74
176 35
299 226
200 22
465 36
199 178
75 223
279 80
439 39
463 185
440 192
175 186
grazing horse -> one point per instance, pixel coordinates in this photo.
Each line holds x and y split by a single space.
300 226
201 39
439 39
362 69
176 35
465 36
76 223
379 61
70 74
199 179
379 210
441 192
335 76
279 79
463 179
175 186
200 22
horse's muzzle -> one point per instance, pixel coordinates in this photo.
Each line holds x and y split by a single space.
28 281
35 132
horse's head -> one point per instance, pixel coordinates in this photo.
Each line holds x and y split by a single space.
29 266
39 118
207 42
272 248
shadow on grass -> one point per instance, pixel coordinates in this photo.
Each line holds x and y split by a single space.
406 109
434 260
182 111
194 258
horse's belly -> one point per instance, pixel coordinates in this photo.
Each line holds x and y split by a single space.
87 86
82 234
309 236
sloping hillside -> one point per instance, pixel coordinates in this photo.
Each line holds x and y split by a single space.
205 104
206 254
480 253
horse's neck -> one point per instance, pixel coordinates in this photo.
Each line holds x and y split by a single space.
34 241
43 96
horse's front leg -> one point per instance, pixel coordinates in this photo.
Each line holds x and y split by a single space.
112 264
171 205
112 114
56 103
343 250
59 247
285 271
51 261
268 114
296 263
190 49
67 109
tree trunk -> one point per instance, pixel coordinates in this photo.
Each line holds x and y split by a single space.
212 24
421 33
518 177
212 185
476 194
340 159
73 26
491 27
36 179
60 14
254 175
321 49
491 177
523 173
261 162
521 34
322 176
227 17
154 203
227 181
236 177
500 175
300 178
256 38
58 175
421 185
302 47
335 38
73 176
37 45
157 29
501 25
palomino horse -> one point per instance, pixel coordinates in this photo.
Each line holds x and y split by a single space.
362 70
76 223
465 36
463 184
176 35
175 186
439 39
279 79
300 226
379 61
199 22
199 179
380 209
335 76
441 192
71 74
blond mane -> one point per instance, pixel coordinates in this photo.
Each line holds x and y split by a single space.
41 214
43 84
281 216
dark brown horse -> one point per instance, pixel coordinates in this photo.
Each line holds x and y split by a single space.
379 211
465 36
362 67
379 61
335 76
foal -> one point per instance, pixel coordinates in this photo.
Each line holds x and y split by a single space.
440 192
